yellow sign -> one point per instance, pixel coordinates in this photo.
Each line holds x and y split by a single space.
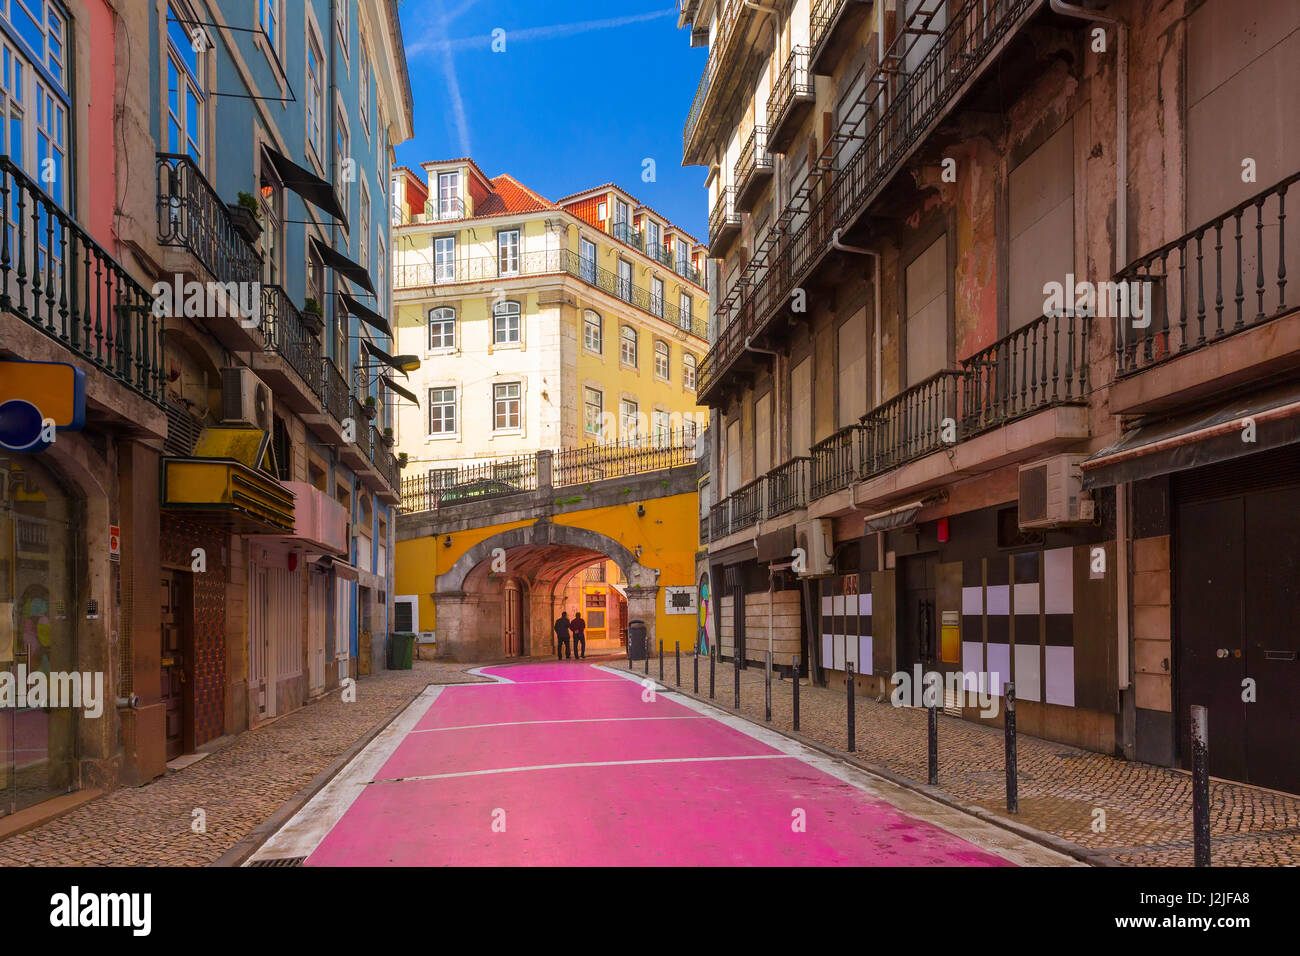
55 388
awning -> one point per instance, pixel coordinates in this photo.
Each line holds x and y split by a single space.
383 356
366 314
306 184
1205 437
409 396
344 266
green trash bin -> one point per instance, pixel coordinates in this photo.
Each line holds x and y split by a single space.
401 649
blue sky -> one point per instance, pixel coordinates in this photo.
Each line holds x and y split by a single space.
584 92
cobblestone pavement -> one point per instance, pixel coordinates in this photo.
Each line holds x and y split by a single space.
237 787
1148 809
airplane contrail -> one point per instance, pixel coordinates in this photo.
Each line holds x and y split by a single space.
432 42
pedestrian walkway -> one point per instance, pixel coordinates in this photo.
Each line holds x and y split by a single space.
573 764
1146 810
236 788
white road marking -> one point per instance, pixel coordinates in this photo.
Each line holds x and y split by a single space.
577 720
565 766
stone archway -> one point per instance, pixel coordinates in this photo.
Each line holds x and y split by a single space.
461 633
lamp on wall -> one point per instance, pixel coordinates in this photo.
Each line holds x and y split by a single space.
640 511
446 542
638 551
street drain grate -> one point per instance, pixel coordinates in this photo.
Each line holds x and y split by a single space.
280 861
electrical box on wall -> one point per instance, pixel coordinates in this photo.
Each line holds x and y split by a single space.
816 540
1051 493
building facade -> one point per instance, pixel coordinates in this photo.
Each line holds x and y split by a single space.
228 501
540 327
996 302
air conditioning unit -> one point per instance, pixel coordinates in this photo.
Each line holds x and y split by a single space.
245 399
1051 493
816 539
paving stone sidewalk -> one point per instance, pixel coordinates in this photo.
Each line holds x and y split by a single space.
1148 809
238 786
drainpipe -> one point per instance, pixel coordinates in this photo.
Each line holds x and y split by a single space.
1123 501
875 285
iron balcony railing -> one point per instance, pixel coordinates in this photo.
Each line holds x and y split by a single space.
794 81
382 457
730 18
689 273
835 461
466 482
334 393
749 501
446 208
192 216
704 528
547 262
288 336
912 424
753 160
56 278
907 93
787 487
625 232
723 215
1193 292
1042 364
720 519
822 16
360 419
634 456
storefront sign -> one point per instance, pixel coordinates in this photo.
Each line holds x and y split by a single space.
114 543
35 396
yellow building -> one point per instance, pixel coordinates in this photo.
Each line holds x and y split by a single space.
559 343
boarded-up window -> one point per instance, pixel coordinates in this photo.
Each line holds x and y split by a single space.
852 358
801 408
733 456
763 434
1041 204
926 325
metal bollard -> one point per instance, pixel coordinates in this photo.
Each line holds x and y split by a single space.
647 662
1201 785
661 660
713 660
677 658
796 692
735 659
767 688
932 715
1009 726
851 712
695 667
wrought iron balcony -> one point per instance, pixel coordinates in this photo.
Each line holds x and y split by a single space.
792 97
382 457
724 222
749 501
752 169
446 209
632 456
334 393
288 336
627 233
911 424
835 461
787 487
720 520
192 216
546 262
1197 293
832 24
56 278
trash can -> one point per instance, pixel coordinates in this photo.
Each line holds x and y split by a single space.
401 648
638 640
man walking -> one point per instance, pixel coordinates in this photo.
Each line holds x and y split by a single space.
562 636
579 629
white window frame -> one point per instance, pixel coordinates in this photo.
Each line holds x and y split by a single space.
190 80
599 324
315 98
663 360
629 412
587 421
689 366
589 262
509 254
624 343
624 280
444 404
499 399
443 316
363 87
444 259
447 201
657 293
503 310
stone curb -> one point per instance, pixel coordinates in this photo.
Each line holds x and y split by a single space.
1049 840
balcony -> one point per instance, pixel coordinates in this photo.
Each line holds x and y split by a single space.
753 170
55 278
447 209
720 520
898 110
724 223
319 522
626 233
749 499
835 461
383 464
291 361
547 262
834 24
791 100
911 424
787 487
327 424
734 55
192 218
1216 314
356 455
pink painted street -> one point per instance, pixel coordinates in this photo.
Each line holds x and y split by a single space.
571 764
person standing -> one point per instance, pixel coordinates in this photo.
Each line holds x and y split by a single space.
562 636
579 628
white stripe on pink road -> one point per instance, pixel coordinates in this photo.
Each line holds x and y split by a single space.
569 764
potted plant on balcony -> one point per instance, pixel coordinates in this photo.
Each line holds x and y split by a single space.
312 316
245 215
402 459
371 409
388 436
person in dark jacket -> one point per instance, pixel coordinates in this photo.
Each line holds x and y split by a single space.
562 636
579 628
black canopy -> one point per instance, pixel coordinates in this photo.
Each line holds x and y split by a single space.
383 356
306 184
409 396
366 314
343 265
